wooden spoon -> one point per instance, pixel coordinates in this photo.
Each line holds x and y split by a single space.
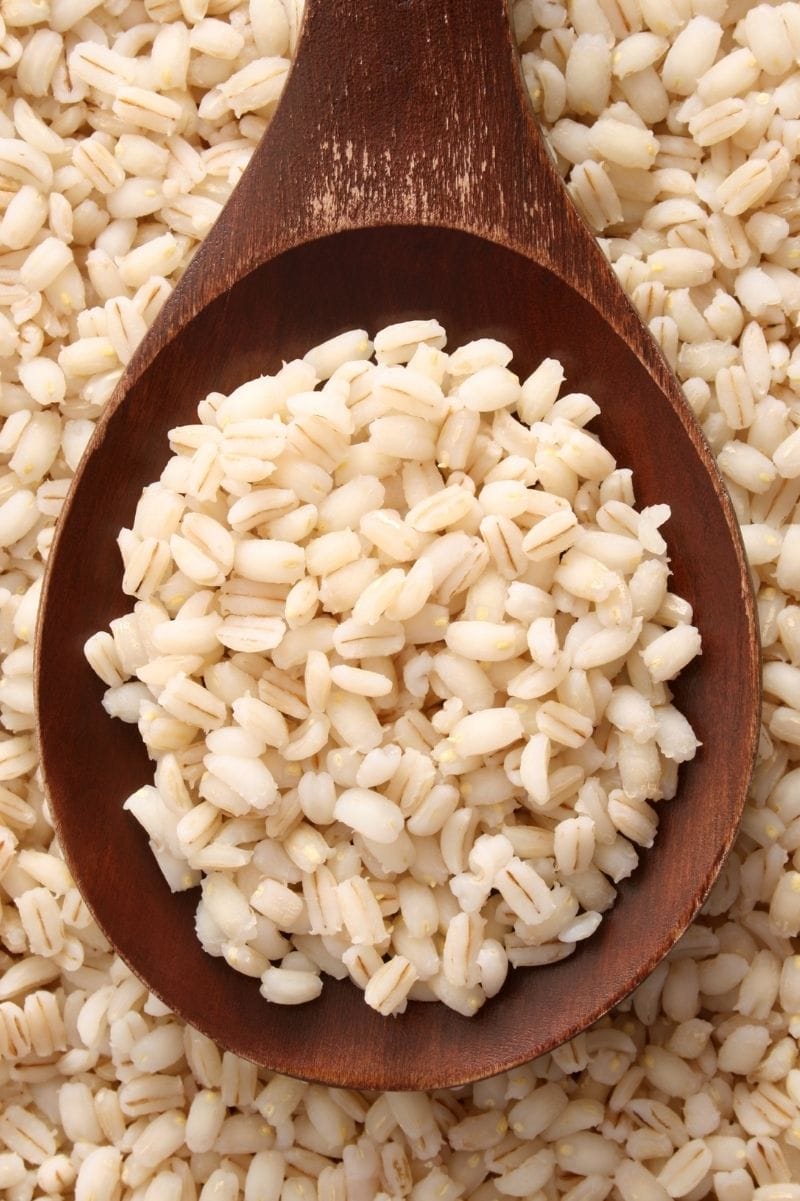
402 175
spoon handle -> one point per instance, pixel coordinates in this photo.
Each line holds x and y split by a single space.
410 111
406 112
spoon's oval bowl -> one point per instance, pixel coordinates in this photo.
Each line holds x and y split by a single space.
92 763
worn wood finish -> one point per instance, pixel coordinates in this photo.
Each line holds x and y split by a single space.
403 175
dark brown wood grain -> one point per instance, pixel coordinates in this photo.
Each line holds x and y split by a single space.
403 175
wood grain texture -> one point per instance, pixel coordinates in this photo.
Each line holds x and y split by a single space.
403 175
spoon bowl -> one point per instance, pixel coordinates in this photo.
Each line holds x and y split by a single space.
297 258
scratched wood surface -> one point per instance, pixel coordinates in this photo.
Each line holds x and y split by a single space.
403 175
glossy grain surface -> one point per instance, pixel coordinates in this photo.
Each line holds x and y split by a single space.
444 204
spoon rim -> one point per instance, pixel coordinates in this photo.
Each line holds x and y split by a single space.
523 1054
